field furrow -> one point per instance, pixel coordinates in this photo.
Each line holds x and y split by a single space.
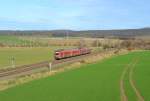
122 88
132 83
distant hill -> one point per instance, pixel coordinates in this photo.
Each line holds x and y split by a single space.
126 33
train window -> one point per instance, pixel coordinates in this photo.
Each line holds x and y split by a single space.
56 53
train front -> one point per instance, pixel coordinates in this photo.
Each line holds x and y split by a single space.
57 55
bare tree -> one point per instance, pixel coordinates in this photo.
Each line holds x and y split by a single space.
82 43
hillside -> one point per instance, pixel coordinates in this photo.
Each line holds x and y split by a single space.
126 33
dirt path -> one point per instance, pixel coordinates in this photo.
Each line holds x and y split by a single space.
132 83
129 68
122 88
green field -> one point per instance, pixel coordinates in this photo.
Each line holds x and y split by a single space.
12 40
17 41
93 82
24 55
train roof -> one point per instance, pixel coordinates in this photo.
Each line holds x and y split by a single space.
59 50
66 49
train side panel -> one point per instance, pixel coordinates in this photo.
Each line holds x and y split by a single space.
72 52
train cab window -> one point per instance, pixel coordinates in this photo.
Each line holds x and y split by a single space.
56 53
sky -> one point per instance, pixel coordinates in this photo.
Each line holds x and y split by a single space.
74 14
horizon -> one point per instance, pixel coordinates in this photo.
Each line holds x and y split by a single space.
74 15
75 30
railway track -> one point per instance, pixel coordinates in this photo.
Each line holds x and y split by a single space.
24 68
11 73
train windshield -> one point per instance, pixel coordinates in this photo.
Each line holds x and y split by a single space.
56 53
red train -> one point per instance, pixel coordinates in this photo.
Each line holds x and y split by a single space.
66 53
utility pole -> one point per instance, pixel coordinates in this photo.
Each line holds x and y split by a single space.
67 34
67 37
13 62
97 43
50 66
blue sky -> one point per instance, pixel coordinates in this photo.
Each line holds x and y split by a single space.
73 14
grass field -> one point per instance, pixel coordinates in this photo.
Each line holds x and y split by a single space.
142 74
12 40
26 55
93 82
